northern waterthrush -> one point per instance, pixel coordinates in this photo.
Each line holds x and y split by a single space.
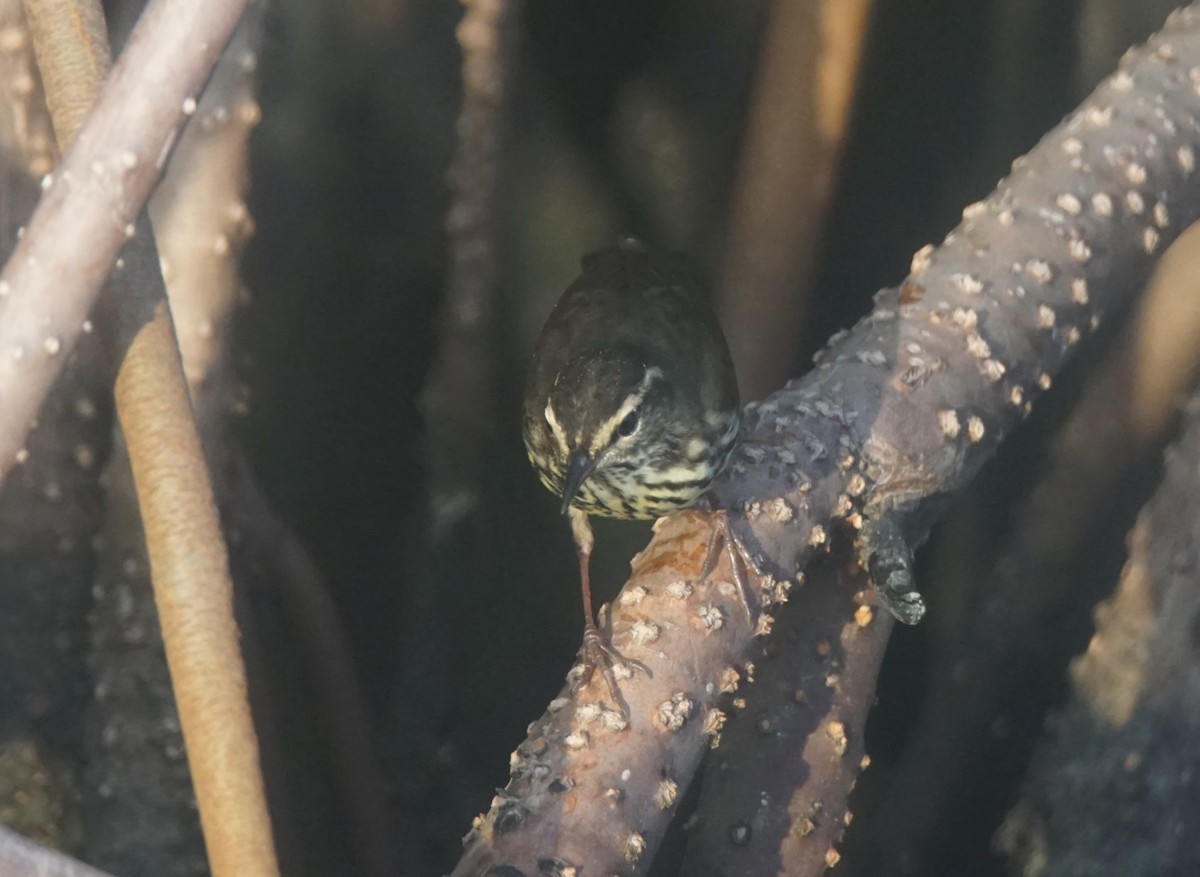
631 407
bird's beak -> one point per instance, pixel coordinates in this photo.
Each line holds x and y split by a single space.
579 467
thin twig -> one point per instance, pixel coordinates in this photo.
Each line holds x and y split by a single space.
900 414
459 399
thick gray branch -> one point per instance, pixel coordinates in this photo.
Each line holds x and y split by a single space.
901 411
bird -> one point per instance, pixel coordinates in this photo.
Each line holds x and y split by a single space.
631 404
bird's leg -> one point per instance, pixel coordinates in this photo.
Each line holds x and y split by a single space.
595 652
724 538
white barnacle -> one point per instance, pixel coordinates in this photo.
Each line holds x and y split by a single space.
836 732
1045 317
1102 204
1079 250
587 713
1135 202
1186 158
710 617
1016 395
975 428
679 590
1079 291
728 683
576 740
764 624
666 794
642 632
780 511
921 259
968 283
1043 381
632 596
622 671
635 845
977 347
614 720
993 369
1098 118
1069 203
1135 173
1149 239
974 211
1121 81
671 714
1039 270
948 422
965 318
1161 218
817 536
1072 146
714 721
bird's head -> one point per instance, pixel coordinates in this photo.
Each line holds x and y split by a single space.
609 410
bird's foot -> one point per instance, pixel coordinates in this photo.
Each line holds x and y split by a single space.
597 654
724 539
888 559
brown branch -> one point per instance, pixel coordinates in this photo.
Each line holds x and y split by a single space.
21 857
72 69
74 236
900 413
785 179
458 402
458 399
189 564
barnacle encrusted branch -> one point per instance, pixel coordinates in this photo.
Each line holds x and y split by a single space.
899 414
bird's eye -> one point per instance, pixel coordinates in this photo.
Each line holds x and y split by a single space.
628 426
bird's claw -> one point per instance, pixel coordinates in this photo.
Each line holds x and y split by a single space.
724 539
596 654
888 559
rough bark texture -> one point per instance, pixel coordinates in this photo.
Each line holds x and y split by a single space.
900 412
